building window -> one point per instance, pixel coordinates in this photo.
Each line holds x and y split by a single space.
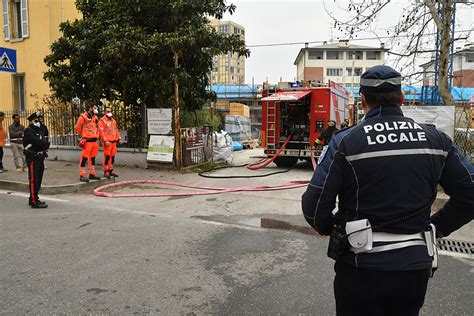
333 54
236 30
15 19
334 72
358 55
470 57
19 93
315 54
373 55
224 28
357 71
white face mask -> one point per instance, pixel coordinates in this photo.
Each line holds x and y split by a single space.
96 111
37 124
109 114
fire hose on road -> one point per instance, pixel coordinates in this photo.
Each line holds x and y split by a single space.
100 191
208 190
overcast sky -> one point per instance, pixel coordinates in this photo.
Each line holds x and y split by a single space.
300 21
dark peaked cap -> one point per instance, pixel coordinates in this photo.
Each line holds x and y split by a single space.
380 78
33 116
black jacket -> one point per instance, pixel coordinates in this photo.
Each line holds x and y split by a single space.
386 168
34 135
327 133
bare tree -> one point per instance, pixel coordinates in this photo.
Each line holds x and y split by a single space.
411 37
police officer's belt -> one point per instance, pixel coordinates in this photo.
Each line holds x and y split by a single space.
398 241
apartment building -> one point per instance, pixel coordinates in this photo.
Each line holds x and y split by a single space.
228 69
463 68
336 61
29 28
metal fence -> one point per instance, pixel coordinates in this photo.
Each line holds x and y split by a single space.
197 145
463 130
61 120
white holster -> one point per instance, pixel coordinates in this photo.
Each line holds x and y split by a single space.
359 234
430 238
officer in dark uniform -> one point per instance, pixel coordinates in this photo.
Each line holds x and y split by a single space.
44 128
327 133
386 171
35 146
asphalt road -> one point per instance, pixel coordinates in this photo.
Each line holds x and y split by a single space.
168 256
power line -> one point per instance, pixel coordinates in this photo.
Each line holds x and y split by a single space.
353 39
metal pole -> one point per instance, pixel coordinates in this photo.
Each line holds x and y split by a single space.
176 113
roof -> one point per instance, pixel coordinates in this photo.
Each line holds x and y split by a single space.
349 46
338 46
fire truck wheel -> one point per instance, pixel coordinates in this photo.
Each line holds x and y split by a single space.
285 162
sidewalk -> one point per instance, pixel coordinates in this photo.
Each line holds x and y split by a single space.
62 177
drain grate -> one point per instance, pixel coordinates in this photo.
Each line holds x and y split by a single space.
460 247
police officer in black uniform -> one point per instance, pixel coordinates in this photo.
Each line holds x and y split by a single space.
44 128
35 146
386 171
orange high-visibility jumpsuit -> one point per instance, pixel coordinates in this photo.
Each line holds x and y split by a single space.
109 134
88 128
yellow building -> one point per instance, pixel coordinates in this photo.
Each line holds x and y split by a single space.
29 27
228 69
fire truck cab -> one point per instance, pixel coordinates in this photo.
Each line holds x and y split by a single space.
301 113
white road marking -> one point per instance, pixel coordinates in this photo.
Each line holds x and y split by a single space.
27 195
455 254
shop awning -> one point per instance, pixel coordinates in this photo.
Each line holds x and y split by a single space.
287 96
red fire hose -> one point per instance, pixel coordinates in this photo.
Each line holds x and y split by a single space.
207 190
265 162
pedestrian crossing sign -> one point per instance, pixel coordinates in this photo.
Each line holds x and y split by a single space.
7 59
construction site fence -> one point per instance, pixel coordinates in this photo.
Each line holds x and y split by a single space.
464 129
60 122
197 145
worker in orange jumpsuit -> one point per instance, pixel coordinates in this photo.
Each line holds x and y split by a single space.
87 126
109 135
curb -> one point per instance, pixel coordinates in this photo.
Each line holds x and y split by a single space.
52 189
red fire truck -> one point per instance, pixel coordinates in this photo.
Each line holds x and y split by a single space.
301 113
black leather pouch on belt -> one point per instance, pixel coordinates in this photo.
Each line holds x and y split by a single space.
338 243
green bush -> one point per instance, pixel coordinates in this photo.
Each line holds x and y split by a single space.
200 118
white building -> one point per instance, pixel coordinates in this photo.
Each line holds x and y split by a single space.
335 62
463 68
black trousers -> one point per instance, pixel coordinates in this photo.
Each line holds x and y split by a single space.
35 176
1 157
368 292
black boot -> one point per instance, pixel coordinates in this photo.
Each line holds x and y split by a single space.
83 179
94 177
37 202
44 205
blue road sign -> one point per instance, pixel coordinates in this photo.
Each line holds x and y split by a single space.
7 59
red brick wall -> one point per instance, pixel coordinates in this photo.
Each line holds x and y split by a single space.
313 73
463 78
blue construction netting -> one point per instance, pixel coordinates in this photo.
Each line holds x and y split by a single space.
234 92
415 93
412 93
